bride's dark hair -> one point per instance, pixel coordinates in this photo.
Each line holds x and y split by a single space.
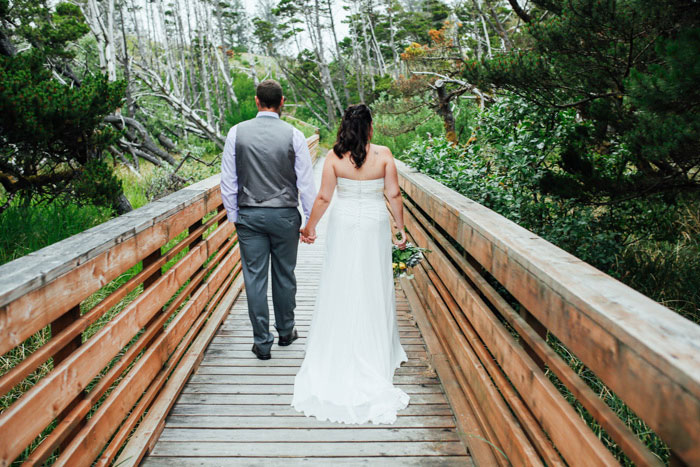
353 134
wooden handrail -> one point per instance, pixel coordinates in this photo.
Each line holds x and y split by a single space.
161 319
498 345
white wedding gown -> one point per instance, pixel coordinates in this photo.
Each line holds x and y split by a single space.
353 345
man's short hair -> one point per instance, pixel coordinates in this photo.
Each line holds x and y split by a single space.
269 93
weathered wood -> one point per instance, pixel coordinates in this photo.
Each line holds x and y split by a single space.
39 287
402 461
264 410
280 399
471 433
30 414
60 339
549 407
534 339
97 432
325 435
311 449
613 329
510 437
173 364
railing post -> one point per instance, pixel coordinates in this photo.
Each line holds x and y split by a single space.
57 326
540 330
149 260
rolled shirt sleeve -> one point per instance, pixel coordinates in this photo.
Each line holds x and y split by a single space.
229 177
303 166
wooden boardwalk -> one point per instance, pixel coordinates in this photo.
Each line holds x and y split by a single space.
235 409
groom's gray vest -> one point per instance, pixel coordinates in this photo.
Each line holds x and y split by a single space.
265 164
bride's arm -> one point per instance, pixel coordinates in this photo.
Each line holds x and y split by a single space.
323 199
393 194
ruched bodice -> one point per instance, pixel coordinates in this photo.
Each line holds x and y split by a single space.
360 189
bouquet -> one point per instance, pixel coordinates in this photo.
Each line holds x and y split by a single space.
407 258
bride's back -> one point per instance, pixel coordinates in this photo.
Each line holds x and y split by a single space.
374 166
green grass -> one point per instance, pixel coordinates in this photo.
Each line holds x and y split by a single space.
26 229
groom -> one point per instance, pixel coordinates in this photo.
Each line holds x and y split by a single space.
265 168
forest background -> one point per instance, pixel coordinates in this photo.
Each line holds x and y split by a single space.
576 119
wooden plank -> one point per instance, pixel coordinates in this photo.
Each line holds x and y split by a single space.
217 422
471 433
548 406
422 370
264 410
135 415
284 362
150 426
482 424
403 461
281 399
527 421
618 333
325 435
262 380
289 388
612 424
511 438
35 302
283 353
227 346
59 340
97 432
311 449
30 414
78 414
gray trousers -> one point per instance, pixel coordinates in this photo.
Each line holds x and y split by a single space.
265 233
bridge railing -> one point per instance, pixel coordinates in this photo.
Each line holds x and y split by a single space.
129 306
495 297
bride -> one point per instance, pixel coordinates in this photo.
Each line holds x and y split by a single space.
353 346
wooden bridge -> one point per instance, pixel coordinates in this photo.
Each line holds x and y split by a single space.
145 350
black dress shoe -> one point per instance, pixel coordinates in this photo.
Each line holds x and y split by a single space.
259 353
286 340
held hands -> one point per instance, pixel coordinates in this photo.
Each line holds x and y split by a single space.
400 239
308 235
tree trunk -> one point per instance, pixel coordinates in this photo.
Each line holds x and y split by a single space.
519 11
368 56
127 75
392 41
445 111
230 92
341 61
205 80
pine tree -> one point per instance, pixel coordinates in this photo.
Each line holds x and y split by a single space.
628 67
52 134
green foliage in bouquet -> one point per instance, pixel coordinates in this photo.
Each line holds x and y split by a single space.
403 260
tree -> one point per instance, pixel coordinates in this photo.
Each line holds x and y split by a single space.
627 67
53 137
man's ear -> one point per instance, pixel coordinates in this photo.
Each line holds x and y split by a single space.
257 102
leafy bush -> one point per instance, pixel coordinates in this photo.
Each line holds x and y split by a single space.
505 167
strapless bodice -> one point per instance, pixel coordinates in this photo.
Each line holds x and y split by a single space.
360 189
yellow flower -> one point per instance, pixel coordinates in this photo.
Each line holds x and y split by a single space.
402 265
394 265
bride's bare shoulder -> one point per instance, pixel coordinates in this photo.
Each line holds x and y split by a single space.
382 151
